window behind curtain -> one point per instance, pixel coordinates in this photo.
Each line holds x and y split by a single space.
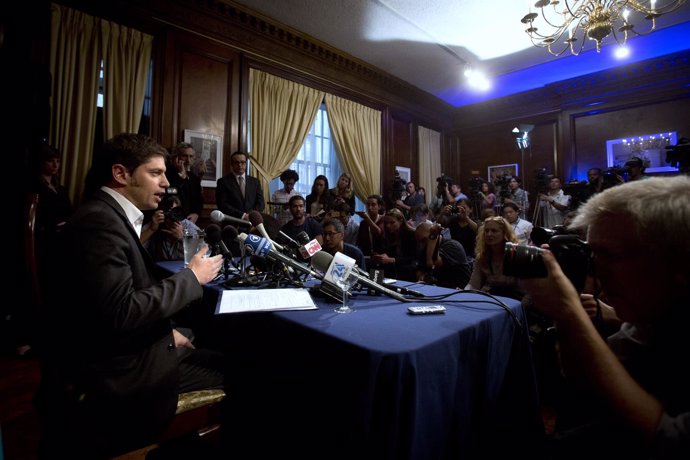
144 124
316 157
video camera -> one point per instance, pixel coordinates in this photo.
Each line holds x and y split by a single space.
573 255
541 180
475 187
679 155
502 185
175 214
444 181
398 186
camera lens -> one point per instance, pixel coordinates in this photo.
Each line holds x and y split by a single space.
176 214
523 261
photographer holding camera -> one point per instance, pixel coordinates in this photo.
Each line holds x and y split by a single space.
639 384
162 237
554 204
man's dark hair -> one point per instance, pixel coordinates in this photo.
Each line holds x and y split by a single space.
295 198
246 157
180 147
289 174
511 205
341 207
128 149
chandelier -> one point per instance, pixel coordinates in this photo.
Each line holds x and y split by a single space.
568 22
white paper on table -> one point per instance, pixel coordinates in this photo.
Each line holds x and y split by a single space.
244 300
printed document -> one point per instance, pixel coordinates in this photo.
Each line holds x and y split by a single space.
245 300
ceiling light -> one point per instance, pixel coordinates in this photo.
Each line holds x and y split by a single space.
567 23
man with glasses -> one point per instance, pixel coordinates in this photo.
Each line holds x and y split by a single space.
333 241
237 194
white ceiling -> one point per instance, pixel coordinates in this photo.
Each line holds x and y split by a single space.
429 42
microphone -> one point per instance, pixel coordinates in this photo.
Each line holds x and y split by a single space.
303 237
263 247
323 262
289 240
307 247
214 240
257 221
402 290
229 234
218 217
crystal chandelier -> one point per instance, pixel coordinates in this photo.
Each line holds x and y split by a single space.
567 23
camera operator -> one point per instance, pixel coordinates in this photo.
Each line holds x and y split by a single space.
635 167
456 218
638 234
412 199
162 237
554 204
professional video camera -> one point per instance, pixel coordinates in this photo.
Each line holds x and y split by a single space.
475 187
541 180
443 182
398 186
611 176
573 255
173 213
679 155
502 185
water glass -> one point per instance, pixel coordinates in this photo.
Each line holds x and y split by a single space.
192 241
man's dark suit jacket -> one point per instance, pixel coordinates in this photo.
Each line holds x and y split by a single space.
116 368
229 197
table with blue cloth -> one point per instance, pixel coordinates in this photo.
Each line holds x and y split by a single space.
379 383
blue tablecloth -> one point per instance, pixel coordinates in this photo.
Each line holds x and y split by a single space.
379 383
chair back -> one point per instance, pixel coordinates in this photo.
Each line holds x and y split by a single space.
30 248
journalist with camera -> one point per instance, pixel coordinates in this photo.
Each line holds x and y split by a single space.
635 382
554 203
162 236
457 218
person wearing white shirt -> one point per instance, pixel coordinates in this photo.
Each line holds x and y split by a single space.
522 227
554 205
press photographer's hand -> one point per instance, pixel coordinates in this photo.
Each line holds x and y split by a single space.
555 295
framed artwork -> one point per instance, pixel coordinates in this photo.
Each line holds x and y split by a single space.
209 152
499 171
651 148
405 173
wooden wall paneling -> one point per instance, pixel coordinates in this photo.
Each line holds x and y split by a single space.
201 91
402 151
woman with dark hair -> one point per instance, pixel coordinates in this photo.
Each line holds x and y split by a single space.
399 256
370 236
488 196
54 205
319 200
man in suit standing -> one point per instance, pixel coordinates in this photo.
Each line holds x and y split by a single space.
114 365
237 194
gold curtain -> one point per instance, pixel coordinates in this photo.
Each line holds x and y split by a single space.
357 133
74 64
126 61
78 44
281 113
429 160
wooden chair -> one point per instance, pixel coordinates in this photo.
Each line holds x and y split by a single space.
197 414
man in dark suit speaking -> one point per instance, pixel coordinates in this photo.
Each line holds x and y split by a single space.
113 364
237 194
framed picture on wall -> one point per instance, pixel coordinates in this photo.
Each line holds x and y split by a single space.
498 171
405 173
209 154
